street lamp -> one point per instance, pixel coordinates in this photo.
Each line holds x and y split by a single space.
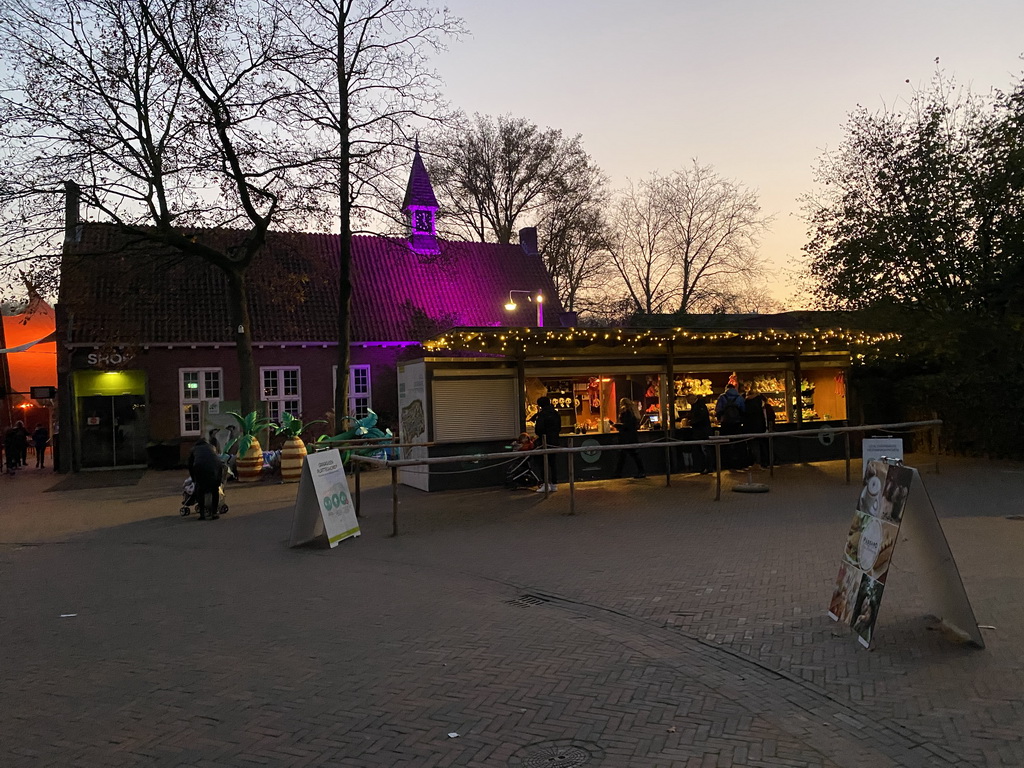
537 299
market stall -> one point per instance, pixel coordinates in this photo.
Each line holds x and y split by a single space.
483 402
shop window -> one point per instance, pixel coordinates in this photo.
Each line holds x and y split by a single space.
360 397
281 391
196 385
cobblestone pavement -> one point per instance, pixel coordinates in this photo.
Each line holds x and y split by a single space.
654 628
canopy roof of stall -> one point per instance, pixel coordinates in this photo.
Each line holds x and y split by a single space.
534 342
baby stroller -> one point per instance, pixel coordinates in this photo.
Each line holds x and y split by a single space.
521 473
189 500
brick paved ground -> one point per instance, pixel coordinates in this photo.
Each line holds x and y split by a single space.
655 628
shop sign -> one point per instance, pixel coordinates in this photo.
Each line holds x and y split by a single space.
591 457
43 393
110 357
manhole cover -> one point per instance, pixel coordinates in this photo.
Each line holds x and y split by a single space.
548 757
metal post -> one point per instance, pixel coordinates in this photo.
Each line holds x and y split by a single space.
668 466
718 471
935 443
547 481
359 495
771 454
572 482
394 501
846 439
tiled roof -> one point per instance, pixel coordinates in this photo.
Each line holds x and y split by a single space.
116 290
419 190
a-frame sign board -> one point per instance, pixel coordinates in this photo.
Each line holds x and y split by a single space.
323 505
894 506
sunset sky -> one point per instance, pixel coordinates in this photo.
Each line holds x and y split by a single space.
757 89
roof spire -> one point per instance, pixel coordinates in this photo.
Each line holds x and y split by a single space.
420 205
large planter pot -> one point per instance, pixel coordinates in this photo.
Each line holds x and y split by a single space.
293 453
249 465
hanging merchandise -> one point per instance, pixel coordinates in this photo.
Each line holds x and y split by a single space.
841 384
594 393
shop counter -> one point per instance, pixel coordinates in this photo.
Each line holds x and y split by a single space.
600 465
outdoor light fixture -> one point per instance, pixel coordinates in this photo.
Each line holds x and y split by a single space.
538 299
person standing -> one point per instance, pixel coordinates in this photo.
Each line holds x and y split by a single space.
22 443
12 449
700 423
756 419
40 437
628 426
730 409
207 471
548 425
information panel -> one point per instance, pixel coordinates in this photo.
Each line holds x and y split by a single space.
323 505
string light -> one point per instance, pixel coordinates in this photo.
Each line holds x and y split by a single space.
517 338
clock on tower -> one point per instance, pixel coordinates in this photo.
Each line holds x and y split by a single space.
423 221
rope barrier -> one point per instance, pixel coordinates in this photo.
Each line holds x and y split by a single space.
665 443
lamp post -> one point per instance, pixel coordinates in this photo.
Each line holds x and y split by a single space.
537 299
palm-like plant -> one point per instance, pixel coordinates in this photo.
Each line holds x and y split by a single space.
293 426
249 428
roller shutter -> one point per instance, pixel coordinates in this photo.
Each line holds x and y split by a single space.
471 409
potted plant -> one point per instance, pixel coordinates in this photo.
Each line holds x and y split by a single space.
293 453
249 461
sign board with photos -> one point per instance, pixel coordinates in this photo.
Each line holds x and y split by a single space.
884 509
870 543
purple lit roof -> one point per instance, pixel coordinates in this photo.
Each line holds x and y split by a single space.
113 290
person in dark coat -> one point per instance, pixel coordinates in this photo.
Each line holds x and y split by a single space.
729 410
756 419
12 449
22 444
627 425
700 424
207 470
548 425
40 437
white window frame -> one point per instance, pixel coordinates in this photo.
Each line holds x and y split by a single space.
276 404
203 392
365 393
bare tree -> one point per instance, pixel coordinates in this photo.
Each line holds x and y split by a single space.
575 250
686 242
495 175
162 112
365 87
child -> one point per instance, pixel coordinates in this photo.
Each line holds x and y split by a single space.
523 443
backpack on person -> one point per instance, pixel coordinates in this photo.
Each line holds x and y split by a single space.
731 412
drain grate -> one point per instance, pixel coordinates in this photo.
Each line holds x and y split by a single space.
562 757
525 601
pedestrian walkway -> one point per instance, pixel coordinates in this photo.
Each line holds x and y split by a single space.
657 627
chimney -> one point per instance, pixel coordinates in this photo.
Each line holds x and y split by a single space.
72 200
528 240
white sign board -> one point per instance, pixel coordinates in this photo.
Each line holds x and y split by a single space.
880 448
323 504
414 410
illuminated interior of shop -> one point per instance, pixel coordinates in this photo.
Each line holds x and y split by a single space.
589 404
